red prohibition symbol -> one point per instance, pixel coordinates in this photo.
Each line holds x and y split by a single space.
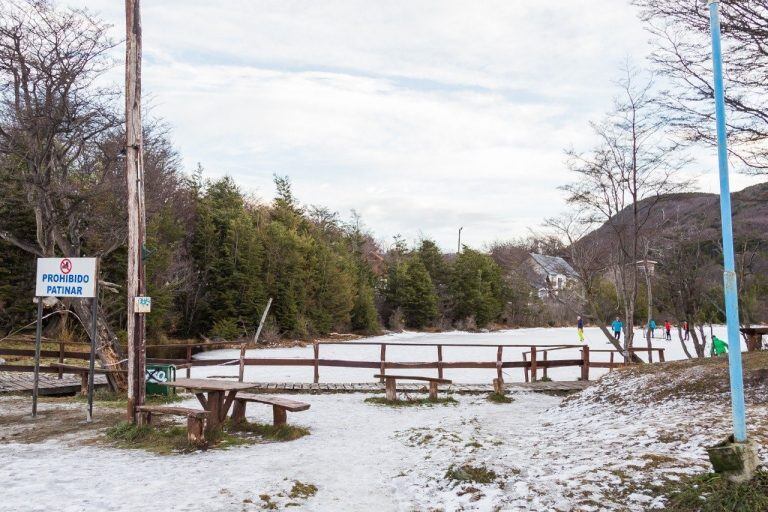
65 266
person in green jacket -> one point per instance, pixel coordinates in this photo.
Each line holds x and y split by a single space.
719 347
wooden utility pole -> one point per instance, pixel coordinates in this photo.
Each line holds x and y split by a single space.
134 173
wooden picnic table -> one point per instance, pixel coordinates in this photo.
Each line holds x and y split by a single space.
220 395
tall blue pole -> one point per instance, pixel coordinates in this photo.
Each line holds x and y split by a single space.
729 274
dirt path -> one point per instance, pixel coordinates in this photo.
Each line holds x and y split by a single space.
57 419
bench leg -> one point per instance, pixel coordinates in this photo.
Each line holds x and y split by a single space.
238 411
433 391
280 416
195 431
391 389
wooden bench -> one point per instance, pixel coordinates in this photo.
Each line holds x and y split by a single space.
390 384
195 420
280 406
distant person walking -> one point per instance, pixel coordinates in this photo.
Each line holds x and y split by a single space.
652 328
668 330
686 330
719 347
617 326
580 328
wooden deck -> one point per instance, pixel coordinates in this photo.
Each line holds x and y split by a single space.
20 382
50 384
375 387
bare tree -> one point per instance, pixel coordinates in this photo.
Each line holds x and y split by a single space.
686 272
53 118
588 255
633 161
683 56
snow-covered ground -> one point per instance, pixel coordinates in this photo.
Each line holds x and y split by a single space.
581 455
360 352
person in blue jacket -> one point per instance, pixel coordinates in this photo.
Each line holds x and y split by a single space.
617 326
652 327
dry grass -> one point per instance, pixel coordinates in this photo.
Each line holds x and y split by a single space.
693 379
712 493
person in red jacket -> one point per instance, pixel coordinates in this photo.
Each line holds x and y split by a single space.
686 330
668 329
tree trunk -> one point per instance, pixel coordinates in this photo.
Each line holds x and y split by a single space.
107 348
682 342
703 340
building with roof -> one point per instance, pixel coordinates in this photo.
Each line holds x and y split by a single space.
549 275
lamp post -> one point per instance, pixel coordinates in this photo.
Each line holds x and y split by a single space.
729 274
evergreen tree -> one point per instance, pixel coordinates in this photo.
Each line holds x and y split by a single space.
419 300
477 288
410 289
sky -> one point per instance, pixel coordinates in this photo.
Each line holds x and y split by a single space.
422 116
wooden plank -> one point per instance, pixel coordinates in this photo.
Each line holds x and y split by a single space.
44 353
499 362
207 384
285 403
316 349
585 363
177 411
534 376
415 377
439 361
382 359
241 365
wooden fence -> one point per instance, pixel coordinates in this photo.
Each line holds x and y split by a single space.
536 358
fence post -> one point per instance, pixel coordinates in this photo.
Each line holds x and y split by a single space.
61 359
241 372
610 368
525 367
499 351
316 348
383 356
439 361
189 360
534 377
661 355
545 365
585 363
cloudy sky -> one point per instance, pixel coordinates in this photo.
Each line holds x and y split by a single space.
421 115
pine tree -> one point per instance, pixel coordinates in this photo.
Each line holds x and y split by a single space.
477 288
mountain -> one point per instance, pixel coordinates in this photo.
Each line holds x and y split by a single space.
700 212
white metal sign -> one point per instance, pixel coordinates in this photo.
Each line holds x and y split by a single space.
65 277
142 305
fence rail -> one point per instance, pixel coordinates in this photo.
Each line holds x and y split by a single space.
534 360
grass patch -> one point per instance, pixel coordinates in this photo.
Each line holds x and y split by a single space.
166 439
267 503
302 490
269 431
469 473
411 402
499 398
712 493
